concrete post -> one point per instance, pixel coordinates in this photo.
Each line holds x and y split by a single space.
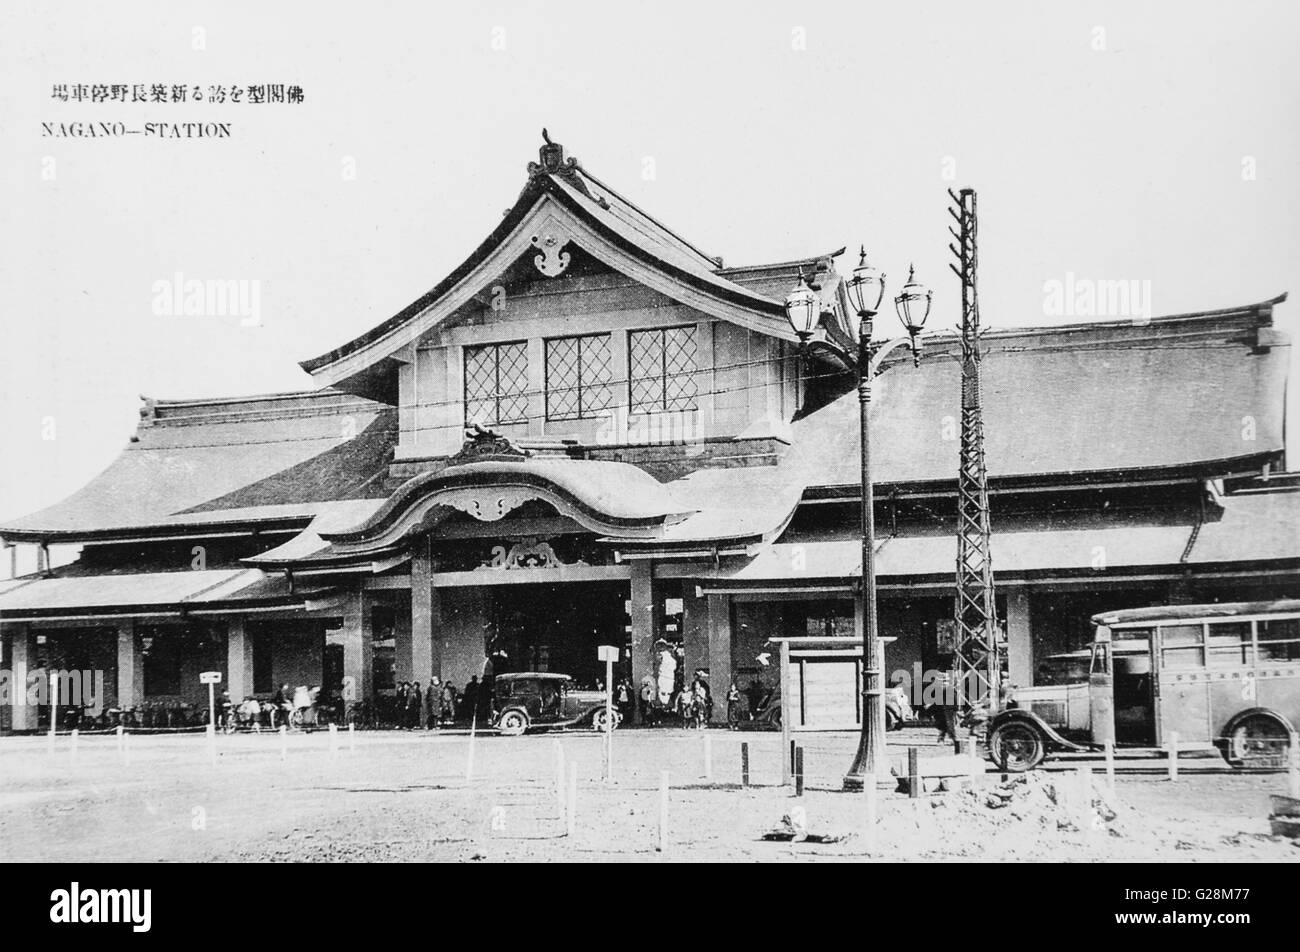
645 623
239 660
719 622
358 648
1020 641
426 640
22 657
130 666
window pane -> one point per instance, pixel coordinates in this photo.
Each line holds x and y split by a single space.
1184 658
562 379
646 360
597 394
1279 639
1180 635
512 379
679 368
1230 644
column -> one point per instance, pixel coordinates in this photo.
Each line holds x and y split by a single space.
645 623
402 669
22 656
358 648
424 611
1020 641
719 618
130 667
239 660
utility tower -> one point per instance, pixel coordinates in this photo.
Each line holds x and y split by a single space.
977 663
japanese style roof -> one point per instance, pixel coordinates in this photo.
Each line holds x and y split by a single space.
1187 393
562 203
225 464
1074 545
111 595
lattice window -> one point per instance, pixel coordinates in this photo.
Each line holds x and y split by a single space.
662 369
496 383
577 377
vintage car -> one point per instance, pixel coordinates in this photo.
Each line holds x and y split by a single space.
1222 675
530 699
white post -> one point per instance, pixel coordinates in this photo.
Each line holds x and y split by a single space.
212 739
73 751
54 710
1173 755
1085 801
559 779
126 747
572 812
869 789
708 757
469 755
334 741
121 742
663 811
352 738
284 742
212 707
609 716
1110 765
1293 770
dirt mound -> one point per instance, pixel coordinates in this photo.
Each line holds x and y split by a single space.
1065 801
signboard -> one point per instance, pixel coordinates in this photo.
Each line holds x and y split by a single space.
210 677
607 653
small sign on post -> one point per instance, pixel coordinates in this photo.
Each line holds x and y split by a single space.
211 679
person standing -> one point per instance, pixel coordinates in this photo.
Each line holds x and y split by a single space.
447 712
432 703
734 712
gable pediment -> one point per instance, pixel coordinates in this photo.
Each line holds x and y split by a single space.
552 226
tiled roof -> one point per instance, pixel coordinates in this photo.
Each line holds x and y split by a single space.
1183 391
207 463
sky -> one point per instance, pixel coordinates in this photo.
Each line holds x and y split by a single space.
1153 142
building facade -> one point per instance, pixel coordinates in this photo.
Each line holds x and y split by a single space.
591 432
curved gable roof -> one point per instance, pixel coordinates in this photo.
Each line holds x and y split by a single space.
560 193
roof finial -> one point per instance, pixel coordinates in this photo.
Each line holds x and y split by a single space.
546 136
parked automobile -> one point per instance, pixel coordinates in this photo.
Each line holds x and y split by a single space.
1223 676
528 700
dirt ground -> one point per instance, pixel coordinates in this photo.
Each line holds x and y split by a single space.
406 796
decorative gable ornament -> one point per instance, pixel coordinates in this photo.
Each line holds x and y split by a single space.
484 445
554 163
550 241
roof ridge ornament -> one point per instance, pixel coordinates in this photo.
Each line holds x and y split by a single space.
483 445
553 162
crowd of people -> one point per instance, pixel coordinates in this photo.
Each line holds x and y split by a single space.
415 706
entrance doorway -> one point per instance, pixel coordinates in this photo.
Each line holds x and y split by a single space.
557 628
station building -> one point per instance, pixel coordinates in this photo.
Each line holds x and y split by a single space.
592 432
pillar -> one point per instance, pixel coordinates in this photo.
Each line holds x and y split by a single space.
130 667
239 659
695 631
402 670
645 623
1020 641
425 650
22 656
358 648
719 632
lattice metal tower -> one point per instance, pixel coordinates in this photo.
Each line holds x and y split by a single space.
977 665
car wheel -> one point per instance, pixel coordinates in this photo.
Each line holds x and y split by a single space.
513 723
1258 741
1017 746
598 720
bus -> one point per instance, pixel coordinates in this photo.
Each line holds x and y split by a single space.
1225 676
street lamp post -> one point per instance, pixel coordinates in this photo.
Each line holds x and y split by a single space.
803 309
